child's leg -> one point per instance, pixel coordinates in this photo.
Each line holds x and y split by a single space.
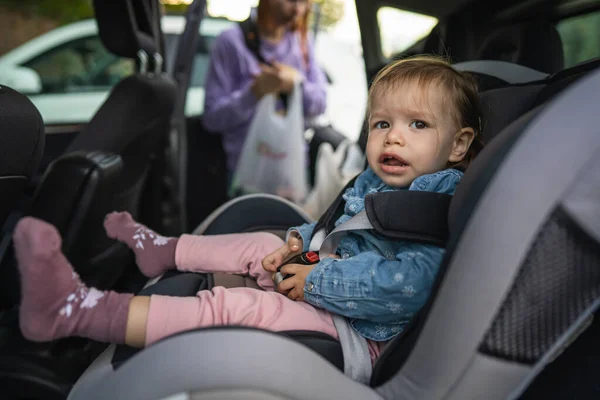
54 301
234 254
56 304
154 254
239 306
238 253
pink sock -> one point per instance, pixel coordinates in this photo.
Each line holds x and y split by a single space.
54 301
154 254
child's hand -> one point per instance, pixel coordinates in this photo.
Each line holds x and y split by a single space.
294 285
275 259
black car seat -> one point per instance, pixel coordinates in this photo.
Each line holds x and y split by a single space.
518 284
105 168
533 44
22 140
133 124
21 147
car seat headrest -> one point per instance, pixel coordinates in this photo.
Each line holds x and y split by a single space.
534 44
125 27
21 135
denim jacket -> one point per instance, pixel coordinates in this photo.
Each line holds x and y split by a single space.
379 284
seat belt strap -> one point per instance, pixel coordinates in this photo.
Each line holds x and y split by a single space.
401 215
330 243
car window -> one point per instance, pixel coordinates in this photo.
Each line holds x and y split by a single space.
81 65
580 38
400 29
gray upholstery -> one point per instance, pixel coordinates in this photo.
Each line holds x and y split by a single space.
506 71
236 361
253 212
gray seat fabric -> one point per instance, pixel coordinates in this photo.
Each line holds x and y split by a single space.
521 282
507 72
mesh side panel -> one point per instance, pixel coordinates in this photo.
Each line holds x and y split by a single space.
559 279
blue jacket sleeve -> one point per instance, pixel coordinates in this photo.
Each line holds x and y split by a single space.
373 287
305 232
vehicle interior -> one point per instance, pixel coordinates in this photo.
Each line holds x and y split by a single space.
513 312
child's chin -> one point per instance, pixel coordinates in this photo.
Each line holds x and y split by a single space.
398 181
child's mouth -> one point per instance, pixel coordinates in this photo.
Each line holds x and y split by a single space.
392 164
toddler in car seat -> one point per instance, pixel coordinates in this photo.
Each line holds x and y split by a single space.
424 129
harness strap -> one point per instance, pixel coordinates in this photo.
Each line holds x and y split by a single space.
402 215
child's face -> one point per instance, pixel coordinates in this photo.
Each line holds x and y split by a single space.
412 133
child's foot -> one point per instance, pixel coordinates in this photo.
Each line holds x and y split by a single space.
54 301
154 253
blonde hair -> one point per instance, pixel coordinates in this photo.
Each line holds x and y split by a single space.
460 89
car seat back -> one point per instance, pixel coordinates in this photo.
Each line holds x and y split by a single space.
21 147
533 44
133 123
22 139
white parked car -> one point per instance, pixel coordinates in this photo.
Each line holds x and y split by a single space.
68 73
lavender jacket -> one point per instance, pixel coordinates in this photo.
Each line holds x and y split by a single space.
229 104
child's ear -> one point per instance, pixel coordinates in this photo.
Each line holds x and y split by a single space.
461 144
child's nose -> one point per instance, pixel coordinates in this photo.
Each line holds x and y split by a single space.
395 136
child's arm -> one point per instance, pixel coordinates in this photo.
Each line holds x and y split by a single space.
305 232
371 286
295 243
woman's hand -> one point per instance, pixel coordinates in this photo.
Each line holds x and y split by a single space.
275 259
267 81
288 76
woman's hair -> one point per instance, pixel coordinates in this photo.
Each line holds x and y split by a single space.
460 88
264 19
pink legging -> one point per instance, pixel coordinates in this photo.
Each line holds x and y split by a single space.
234 254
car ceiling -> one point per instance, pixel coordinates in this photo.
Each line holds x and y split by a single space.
443 8
475 15
436 8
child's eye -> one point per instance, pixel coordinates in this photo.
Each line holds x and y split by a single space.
417 124
381 125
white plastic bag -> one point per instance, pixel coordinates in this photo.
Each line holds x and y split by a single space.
273 158
334 169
